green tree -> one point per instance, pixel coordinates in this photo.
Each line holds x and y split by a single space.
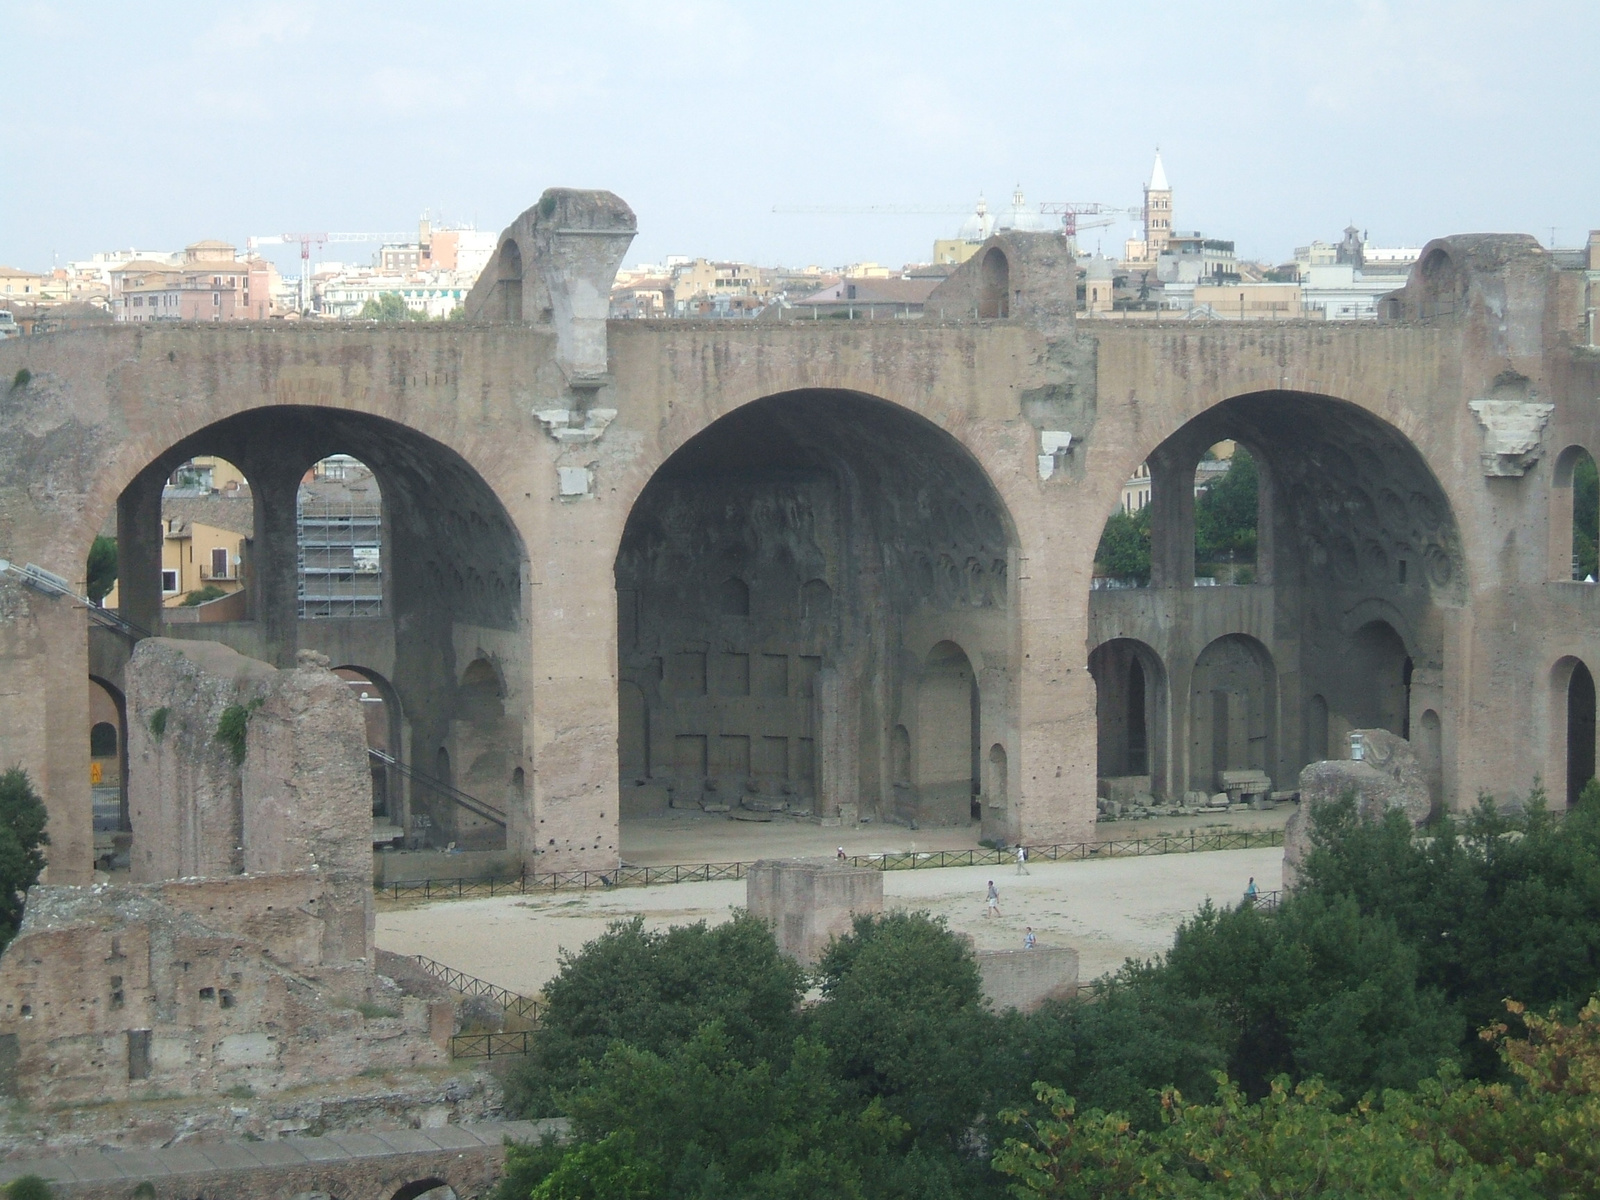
1495 904
1225 514
388 307
1124 550
903 1015
101 572
22 838
699 1122
653 990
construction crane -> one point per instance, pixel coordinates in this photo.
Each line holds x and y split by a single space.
1069 212
306 241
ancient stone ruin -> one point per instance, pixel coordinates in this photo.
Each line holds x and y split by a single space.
809 902
241 955
1386 776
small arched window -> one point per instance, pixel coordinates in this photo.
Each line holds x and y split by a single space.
103 740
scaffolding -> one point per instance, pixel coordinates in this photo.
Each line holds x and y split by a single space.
340 557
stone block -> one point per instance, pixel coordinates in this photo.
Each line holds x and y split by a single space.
1026 979
1123 788
1387 776
809 902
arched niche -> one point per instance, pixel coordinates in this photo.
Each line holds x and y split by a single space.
509 282
994 286
1232 712
947 758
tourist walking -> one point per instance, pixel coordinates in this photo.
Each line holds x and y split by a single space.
1028 940
1022 861
992 905
1250 891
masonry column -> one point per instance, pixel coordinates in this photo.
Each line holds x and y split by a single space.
1171 518
139 538
274 555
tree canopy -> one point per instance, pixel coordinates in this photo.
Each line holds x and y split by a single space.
22 839
100 576
388 307
1329 1046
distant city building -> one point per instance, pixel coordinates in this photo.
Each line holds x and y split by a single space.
20 285
209 282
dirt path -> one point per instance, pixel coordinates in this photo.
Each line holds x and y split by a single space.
1107 909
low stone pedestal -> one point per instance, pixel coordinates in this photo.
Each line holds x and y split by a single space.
809 902
1025 979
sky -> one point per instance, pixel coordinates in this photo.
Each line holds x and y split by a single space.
157 125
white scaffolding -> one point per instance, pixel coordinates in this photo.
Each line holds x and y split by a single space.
340 557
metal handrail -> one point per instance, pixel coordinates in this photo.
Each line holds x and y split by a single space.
490 1045
466 800
626 876
470 985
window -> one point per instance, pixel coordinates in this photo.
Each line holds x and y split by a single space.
219 563
216 299
169 581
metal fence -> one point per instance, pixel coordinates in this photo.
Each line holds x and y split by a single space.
490 1045
470 985
626 876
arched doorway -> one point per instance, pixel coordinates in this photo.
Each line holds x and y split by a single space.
385 726
1574 516
1130 719
1573 686
108 775
769 581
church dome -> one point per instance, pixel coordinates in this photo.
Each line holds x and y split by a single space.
1024 219
979 225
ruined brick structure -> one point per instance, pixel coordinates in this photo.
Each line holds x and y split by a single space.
242 958
845 566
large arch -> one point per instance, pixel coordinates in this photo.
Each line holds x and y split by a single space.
781 581
452 569
1358 561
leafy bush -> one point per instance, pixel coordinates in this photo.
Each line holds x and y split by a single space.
29 1187
1124 549
202 596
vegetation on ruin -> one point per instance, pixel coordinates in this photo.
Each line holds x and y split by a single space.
158 722
1328 1047
29 1187
21 379
100 575
203 596
233 728
22 842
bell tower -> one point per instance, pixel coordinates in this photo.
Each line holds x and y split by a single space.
1157 210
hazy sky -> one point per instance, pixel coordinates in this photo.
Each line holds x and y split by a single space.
1279 122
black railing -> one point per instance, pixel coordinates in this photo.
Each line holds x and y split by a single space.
470 985
490 1045
471 803
626 876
